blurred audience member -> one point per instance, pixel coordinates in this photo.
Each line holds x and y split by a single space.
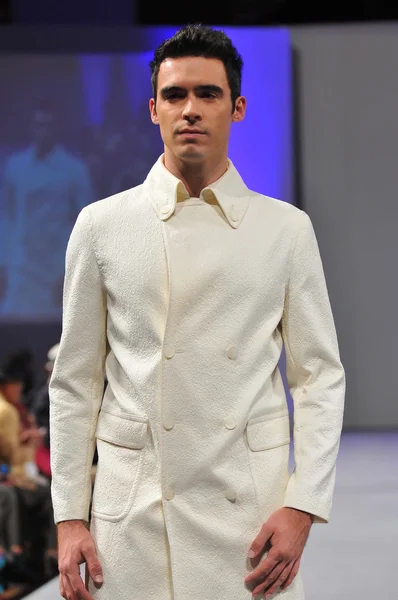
44 189
10 531
19 439
40 408
14 562
119 155
23 360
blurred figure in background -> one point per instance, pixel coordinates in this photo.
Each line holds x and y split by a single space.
23 360
44 187
107 150
119 151
10 531
40 409
19 440
14 561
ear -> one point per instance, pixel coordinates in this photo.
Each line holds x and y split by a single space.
240 109
152 110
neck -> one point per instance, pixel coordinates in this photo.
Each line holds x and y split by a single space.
195 176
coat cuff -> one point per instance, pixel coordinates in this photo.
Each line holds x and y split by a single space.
315 518
64 508
70 515
321 515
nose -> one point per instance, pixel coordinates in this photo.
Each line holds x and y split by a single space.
192 112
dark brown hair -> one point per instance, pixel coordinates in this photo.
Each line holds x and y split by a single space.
199 40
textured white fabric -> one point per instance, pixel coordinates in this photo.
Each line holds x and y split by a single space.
185 305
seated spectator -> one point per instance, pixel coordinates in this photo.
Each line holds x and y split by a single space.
19 440
40 408
23 360
16 577
10 534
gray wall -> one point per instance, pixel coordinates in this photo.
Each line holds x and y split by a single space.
347 146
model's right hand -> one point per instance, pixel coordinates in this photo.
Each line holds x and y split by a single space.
76 546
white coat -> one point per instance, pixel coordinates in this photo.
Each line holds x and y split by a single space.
185 303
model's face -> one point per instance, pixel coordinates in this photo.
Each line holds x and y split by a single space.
193 108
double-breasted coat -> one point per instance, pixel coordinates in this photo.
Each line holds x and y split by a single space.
184 304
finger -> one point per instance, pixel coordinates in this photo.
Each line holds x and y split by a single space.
67 590
93 565
270 579
279 580
260 540
78 587
62 590
266 566
292 575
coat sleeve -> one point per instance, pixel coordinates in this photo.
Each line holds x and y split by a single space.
77 381
315 377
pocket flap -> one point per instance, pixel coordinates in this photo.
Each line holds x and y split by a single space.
130 432
267 433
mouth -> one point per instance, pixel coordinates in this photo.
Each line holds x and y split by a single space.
191 133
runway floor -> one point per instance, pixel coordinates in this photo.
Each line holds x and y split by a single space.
354 556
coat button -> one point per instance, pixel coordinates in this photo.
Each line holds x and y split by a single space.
165 209
168 351
230 494
232 352
168 424
169 493
230 422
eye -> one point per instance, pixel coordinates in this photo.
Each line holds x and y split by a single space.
208 95
174 96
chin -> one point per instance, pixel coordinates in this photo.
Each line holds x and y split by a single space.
191 154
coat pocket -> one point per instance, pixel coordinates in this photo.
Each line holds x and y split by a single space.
121 442
268 441
265 433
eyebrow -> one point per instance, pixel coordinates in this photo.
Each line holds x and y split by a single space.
171 89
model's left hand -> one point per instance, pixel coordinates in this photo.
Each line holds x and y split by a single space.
285 533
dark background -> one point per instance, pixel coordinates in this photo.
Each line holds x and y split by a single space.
246 12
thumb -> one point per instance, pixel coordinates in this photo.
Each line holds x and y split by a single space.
260 540
93 565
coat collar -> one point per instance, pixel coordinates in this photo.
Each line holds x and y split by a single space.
230 191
